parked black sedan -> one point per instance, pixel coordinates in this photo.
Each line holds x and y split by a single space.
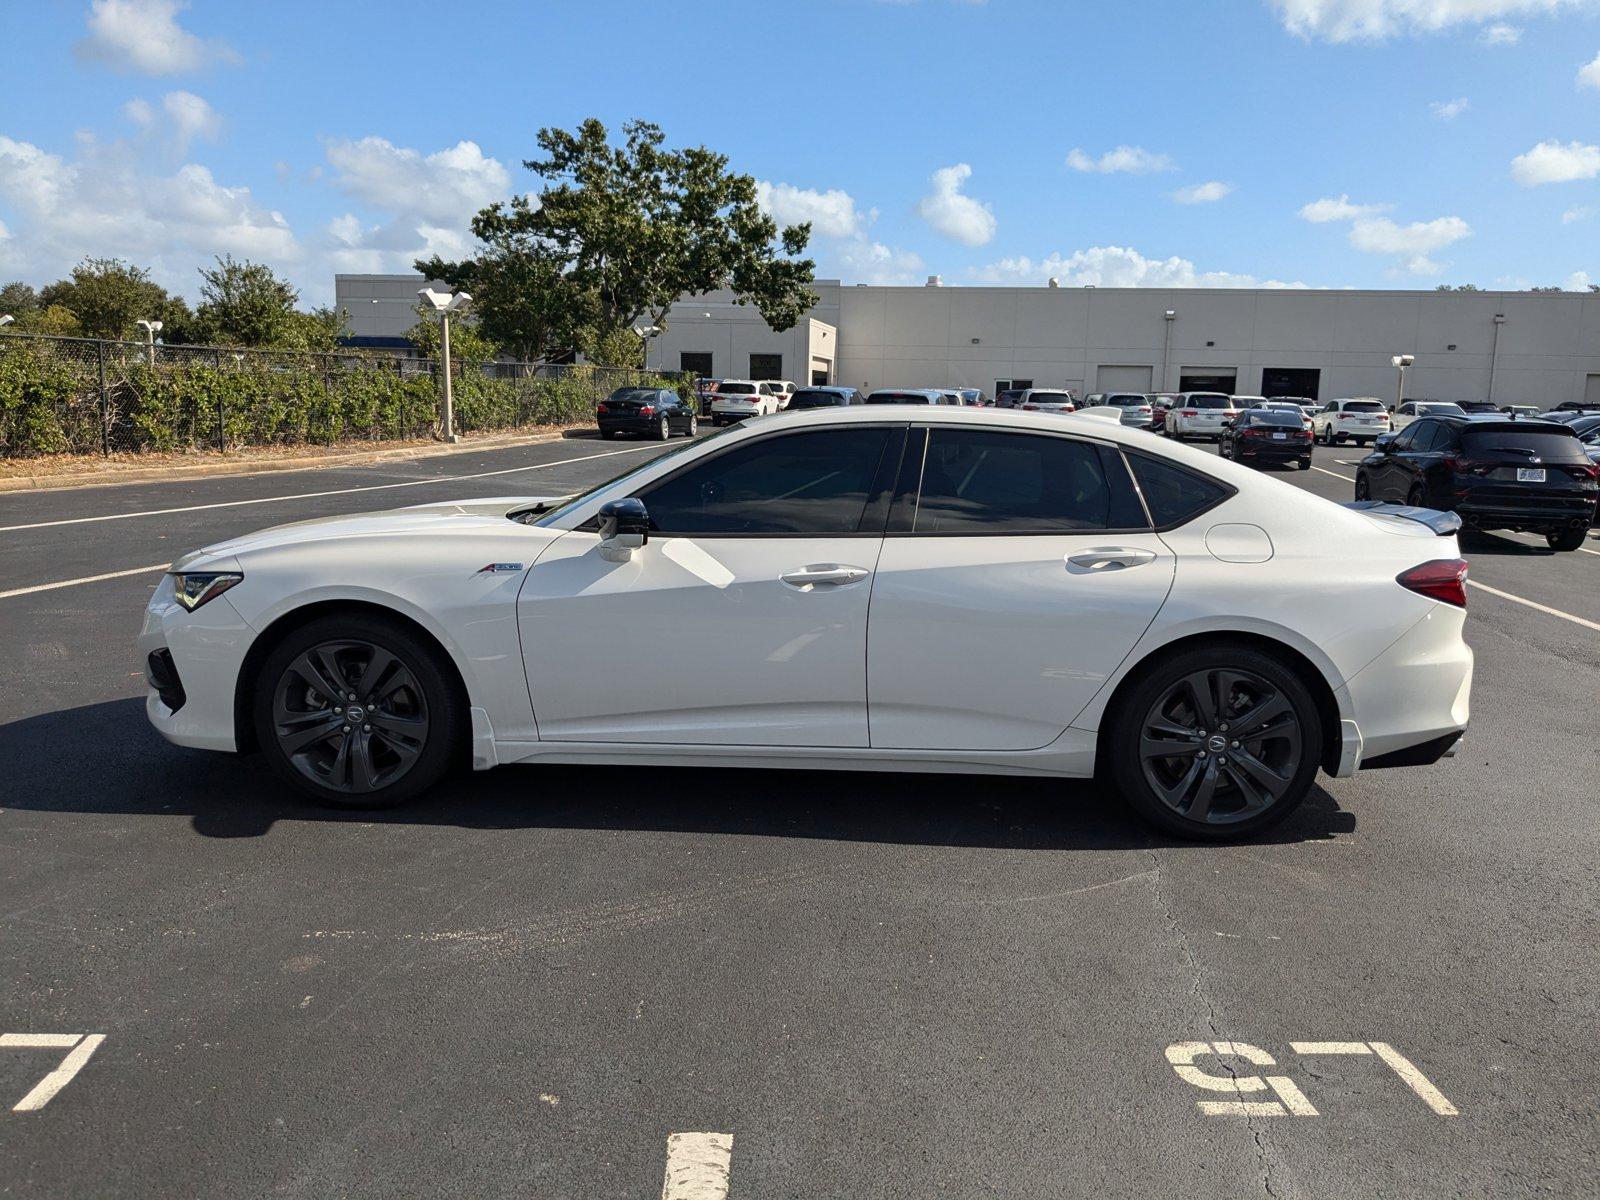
655 412
1261 437
824 397
1495 474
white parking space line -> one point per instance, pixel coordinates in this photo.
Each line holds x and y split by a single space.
66 583
45 1090
698 1166
372 487
1544 608
1335 474
1415 1079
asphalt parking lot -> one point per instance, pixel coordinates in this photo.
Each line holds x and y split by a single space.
898 986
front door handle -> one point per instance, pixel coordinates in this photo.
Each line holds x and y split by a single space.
1111 558
825 575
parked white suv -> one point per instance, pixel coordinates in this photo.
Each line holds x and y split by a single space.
1362 420
737 399
1412 409
782 389
1200 414
1051 400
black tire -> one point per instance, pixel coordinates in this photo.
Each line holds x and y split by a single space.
413 715
1416 497
1567 539
693 429
1242 784
608 434
1363 486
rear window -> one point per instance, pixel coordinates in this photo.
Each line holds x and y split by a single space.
634 393
1276 416
1125 401
738 389
1524 444
815 400
1208 402
1174 494
1050 397
898 398
1364 406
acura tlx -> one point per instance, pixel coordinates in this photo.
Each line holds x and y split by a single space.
874 588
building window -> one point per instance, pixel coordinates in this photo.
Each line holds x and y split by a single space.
766 366
692 362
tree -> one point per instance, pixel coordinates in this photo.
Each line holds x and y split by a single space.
18 299
1458 287
621 233
245 304
108 295
467 341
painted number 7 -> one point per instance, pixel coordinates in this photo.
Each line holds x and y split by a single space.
80 1047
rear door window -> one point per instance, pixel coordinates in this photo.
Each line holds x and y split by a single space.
977 481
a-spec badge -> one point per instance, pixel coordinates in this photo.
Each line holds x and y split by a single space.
501 569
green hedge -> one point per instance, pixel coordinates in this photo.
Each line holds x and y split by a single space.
51 400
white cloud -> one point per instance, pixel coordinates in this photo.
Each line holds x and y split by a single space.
952 212
1128 160
191 118
831 213
861 260
1377 20
1203 193
1320 212
1551 162
1573 215
449 185
144 37
1589 73
1500 35
1116 266
1449 110
1410 245
104 204
1578 281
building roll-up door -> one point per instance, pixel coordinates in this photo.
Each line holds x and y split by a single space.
1123 379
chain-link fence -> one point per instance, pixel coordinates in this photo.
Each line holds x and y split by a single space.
88 396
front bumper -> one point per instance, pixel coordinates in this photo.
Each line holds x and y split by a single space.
205 650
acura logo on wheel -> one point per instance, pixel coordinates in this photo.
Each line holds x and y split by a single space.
1216 742
355 714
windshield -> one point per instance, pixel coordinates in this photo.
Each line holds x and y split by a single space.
1523 444
555 514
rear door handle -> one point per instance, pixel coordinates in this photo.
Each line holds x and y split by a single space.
824 575
1111 558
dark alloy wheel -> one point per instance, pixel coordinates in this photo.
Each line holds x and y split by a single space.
357 712
1416 497
1217 743
1363 486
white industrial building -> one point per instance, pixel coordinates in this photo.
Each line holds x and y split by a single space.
1509 347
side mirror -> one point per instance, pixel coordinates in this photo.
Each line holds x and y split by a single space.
624 528
1385 440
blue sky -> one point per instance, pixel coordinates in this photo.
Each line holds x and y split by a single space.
1140 143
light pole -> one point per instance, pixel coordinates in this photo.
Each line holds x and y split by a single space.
644 333
1166 349
1401 362
151 328
445 303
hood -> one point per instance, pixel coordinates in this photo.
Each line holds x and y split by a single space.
448 518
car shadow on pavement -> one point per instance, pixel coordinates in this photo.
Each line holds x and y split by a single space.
104 758
1476 542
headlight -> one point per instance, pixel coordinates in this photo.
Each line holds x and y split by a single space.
194 588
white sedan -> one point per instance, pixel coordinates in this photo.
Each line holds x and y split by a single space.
938 589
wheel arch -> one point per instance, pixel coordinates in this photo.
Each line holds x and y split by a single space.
296 618
1309 673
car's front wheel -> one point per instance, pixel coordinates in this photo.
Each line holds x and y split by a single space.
1215 743
1363 486
357 711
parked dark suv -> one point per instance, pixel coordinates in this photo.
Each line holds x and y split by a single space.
824 397
1260 437
655 412
1525 475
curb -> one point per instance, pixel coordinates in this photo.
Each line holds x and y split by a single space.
178 472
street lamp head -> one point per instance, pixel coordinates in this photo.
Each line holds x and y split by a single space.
444 302
647 331
1403 360
6 319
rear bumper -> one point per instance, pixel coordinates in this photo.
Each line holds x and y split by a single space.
1547 516
1282 452
1412 701
630 424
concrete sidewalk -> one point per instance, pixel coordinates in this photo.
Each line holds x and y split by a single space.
221 465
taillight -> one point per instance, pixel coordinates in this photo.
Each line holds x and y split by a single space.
1190 412
1030 408
601 407
647 410
1465 466
1443 579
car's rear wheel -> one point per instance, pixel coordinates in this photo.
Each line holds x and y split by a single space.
1567 539
1416 497
1363 486
357 711
1216 743
663 429
694 425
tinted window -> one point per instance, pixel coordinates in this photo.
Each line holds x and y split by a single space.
1364 406
1273 416
1038 397
1522 444
1404 439
816 482
981 481
810 399
1173 494
737 389
897 398
1208 402
1125 401
642 395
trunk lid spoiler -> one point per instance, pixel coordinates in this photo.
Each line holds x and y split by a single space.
1443 524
